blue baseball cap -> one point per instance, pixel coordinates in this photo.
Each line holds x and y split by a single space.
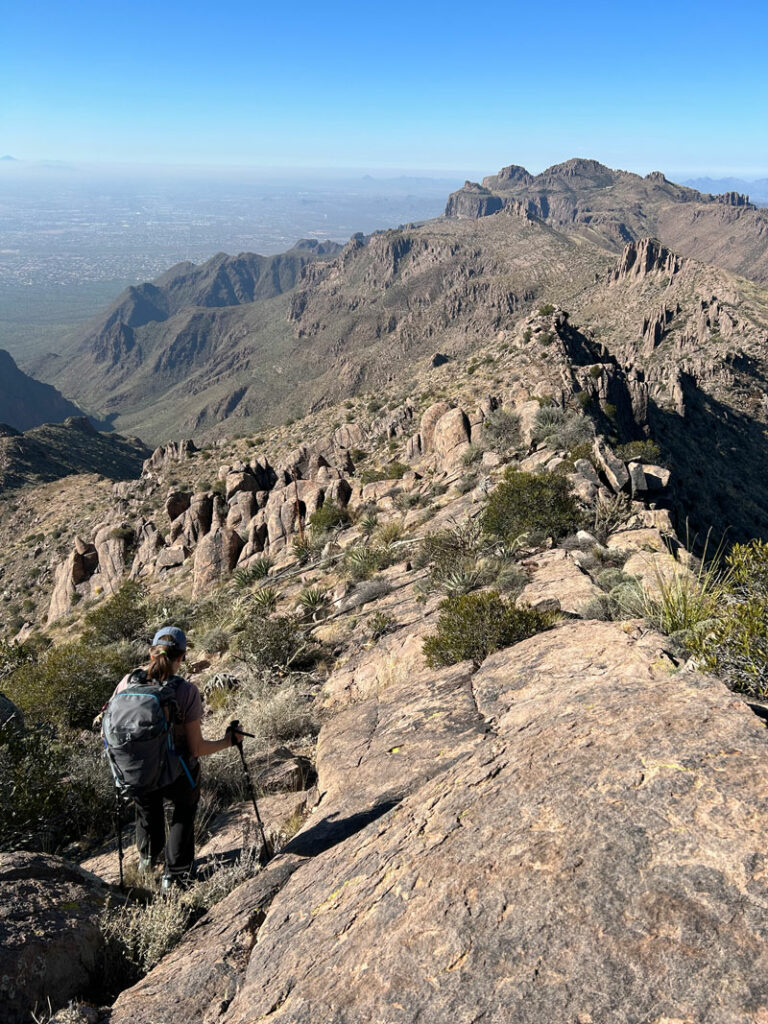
173 634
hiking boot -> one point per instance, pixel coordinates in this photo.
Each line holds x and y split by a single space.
177 883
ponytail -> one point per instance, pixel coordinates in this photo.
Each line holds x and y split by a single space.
162 657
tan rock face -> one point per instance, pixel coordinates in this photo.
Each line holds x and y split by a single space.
557 581
216 555
607 828
451 437
428 423
50 943
614 848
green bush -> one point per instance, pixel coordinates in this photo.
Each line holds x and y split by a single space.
52 792
735 647
329 516
646 451
123 616
537 504
547 309
275 642
472 626
69 684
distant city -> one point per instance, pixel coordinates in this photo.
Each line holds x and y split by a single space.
68 245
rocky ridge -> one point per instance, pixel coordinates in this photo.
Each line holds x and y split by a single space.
613 207
443 832
224 342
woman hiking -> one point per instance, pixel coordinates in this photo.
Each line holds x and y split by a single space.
185 708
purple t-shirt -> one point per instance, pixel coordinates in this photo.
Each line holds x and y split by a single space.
189 707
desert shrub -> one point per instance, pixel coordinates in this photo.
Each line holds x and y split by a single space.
404 502
124 616
368 523
546 310
302 549
472 454
214 640
69 684
361 561
682 605
396 470
467 482
609 514
735 646
644 451
531 503
12 656
380 624
501 431
562 428
313 599
330 516
473 626
275 642
52 791
389 533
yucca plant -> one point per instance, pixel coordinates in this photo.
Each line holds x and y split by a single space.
361 562
313 599
257 570
302 549
265 599
368 523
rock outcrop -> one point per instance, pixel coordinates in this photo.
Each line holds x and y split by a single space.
591 851
50 942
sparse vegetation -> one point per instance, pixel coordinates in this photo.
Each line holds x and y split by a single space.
501 431
330 516
473 626
536 505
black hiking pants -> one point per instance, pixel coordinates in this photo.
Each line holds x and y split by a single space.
150 824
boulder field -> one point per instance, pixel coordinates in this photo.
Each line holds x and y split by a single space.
574 832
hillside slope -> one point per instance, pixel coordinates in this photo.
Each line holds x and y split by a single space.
26 402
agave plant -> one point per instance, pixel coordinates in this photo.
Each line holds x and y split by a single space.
313 599
368 523
257 570
265 599
302 549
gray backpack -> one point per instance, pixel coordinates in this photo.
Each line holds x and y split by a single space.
137 729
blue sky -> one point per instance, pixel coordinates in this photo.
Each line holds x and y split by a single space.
679 87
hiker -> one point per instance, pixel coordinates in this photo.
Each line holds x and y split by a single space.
182 766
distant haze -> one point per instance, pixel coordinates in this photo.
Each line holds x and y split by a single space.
74 236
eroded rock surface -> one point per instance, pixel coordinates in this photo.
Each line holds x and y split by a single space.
596 855
50 943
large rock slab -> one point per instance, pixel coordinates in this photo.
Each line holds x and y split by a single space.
557 583
600 858
50 943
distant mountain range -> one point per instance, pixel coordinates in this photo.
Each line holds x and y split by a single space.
756 189
240 342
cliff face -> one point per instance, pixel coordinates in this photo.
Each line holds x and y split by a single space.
26 402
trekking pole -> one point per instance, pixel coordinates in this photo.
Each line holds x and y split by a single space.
119 832
267 849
